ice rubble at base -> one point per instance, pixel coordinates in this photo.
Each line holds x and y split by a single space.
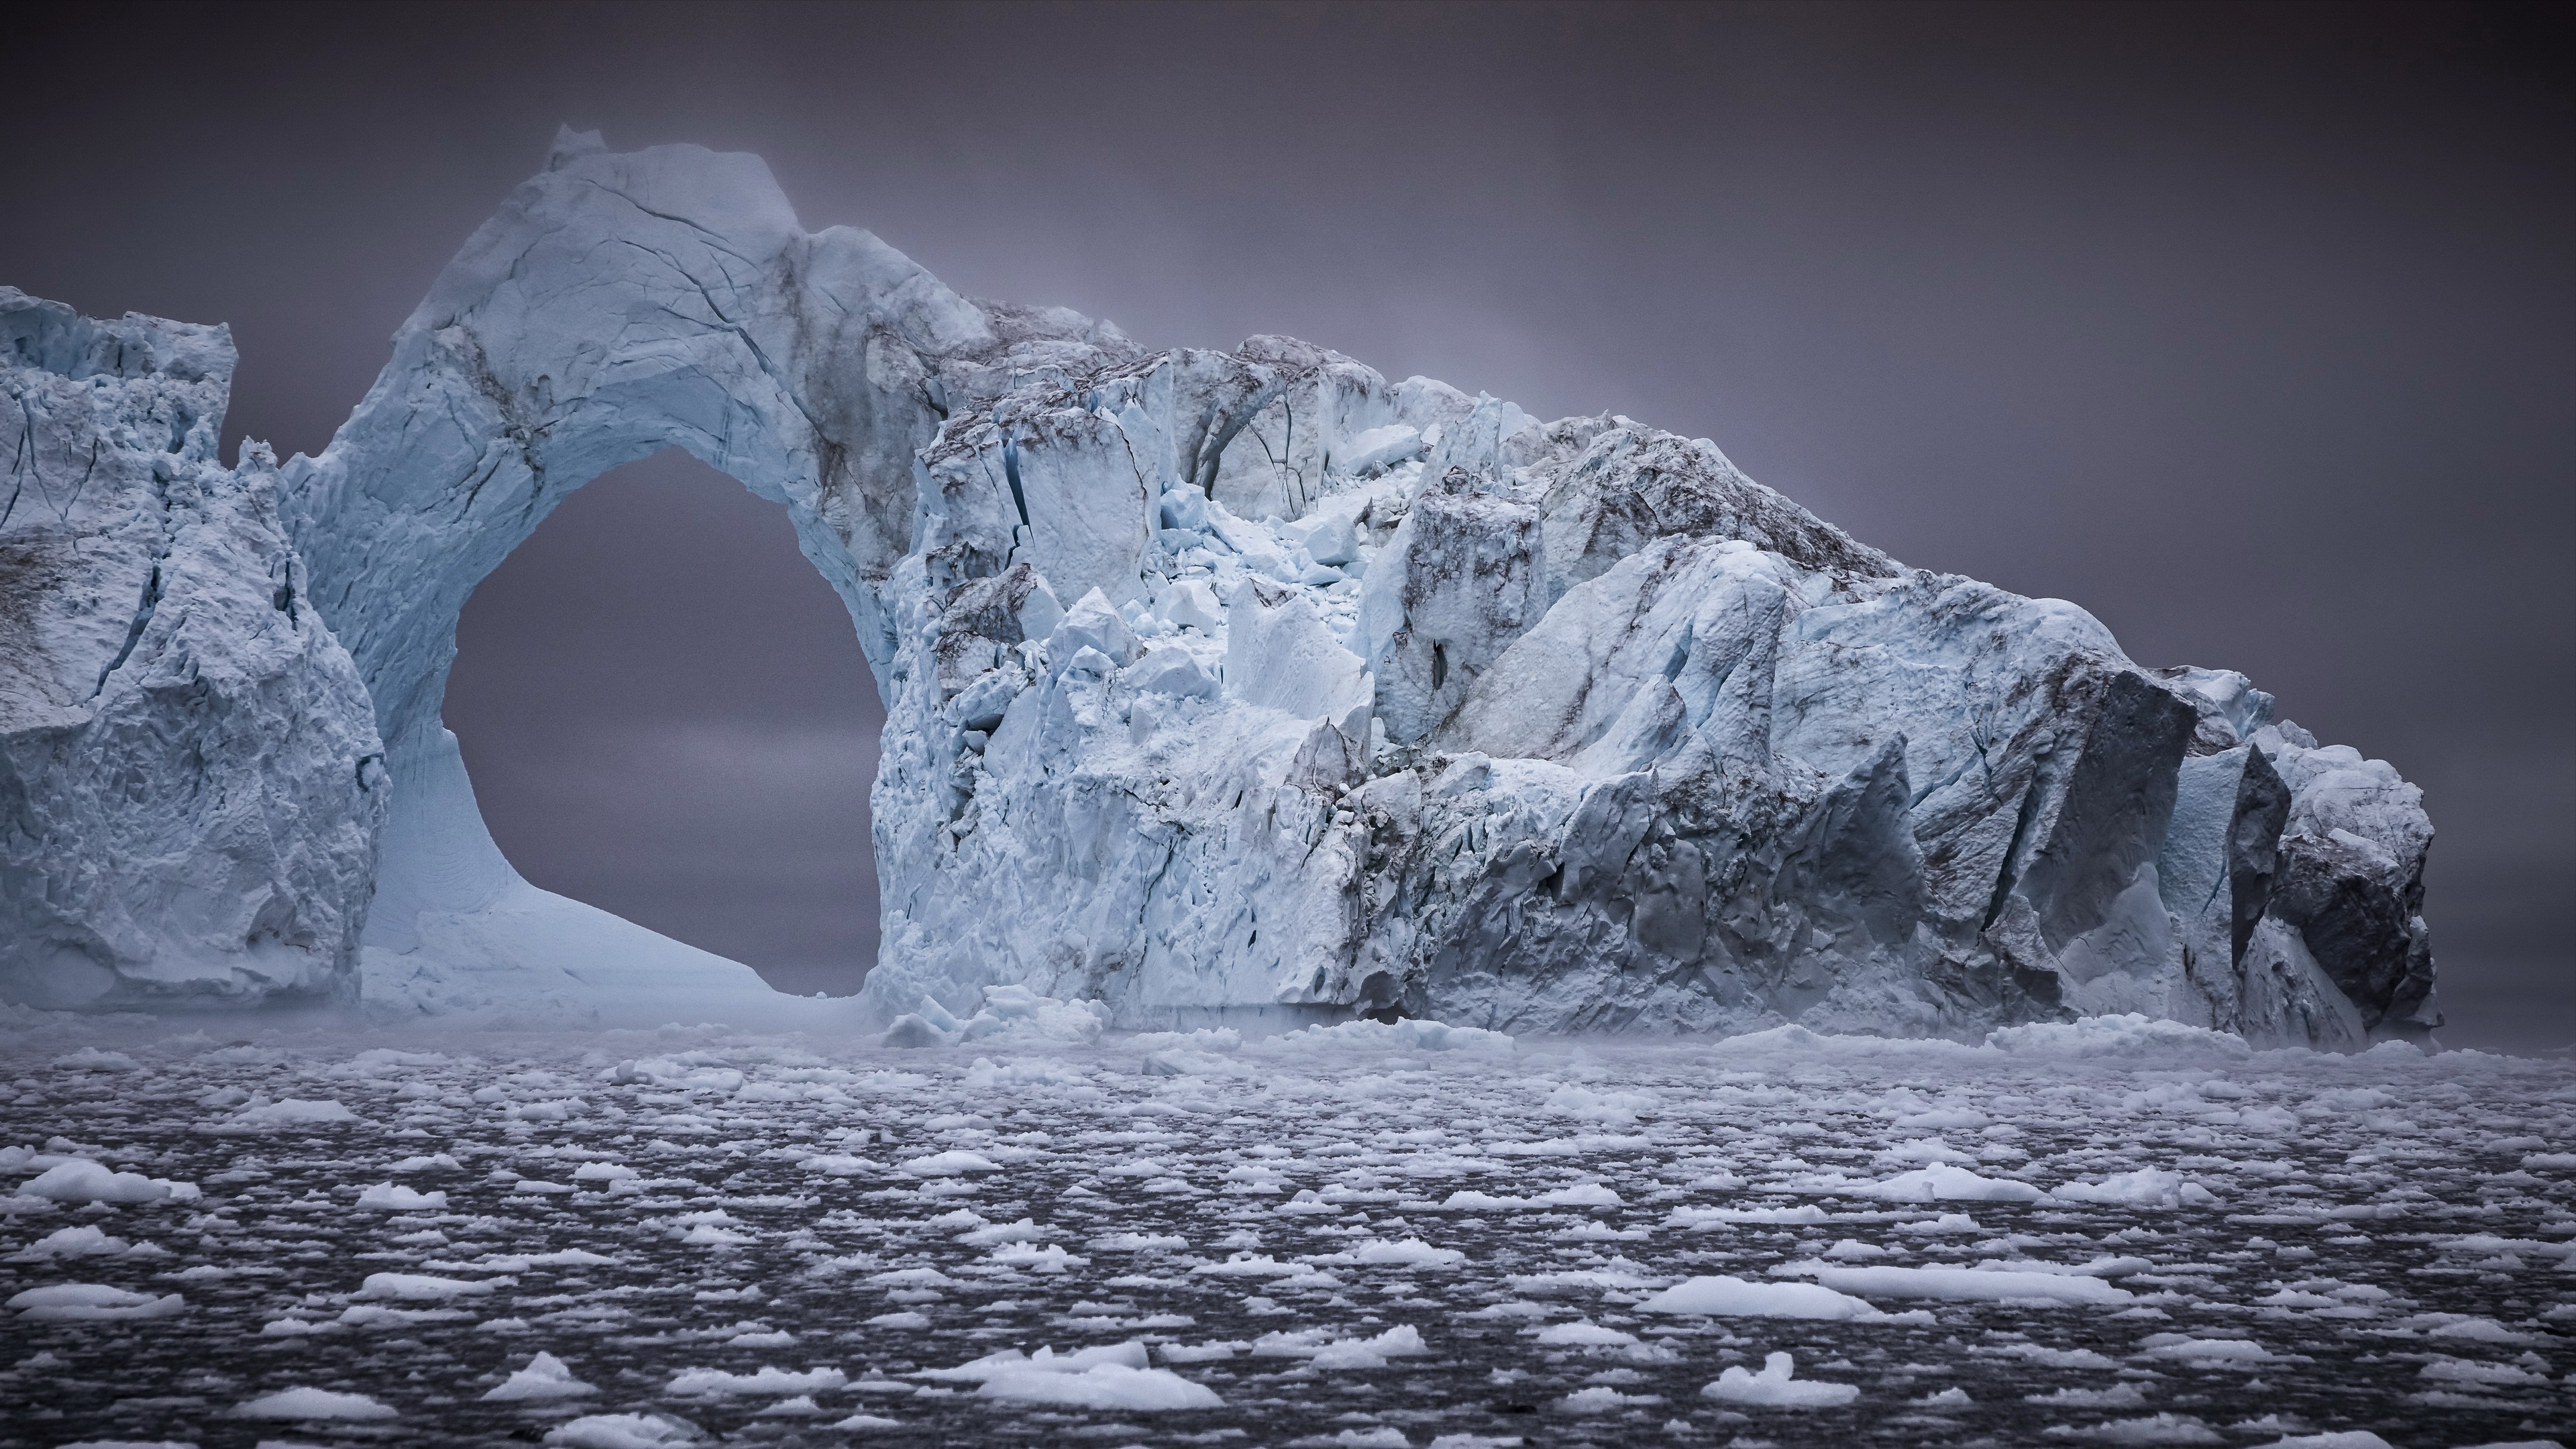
1233 687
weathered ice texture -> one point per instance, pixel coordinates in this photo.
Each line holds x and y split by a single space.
190 779
1248 684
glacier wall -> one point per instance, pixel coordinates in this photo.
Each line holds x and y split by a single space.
191 782
1226 686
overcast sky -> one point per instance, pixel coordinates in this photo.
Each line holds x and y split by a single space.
2252 330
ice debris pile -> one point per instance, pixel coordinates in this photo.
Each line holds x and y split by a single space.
1222 685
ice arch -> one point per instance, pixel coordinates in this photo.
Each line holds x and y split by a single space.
1252 683
615 306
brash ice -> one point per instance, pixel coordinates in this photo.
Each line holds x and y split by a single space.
1221 686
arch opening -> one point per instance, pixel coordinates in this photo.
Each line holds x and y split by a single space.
667 715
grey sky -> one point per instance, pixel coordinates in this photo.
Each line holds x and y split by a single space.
2252 330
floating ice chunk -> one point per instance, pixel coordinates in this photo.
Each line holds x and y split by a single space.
2153 1429
1017 1014
1401 1341
2364 1439
953 1163
622 1431
262 1116
435 1162
1137 1242
2101 1267
81 1180
1252 1265
80 1242
1773 1388
2188 1349
80 1302
314 1404
1406 1035
1941 1182
1104 1386
394 1197
423 1287
1972 1284
607 1172
716 1383
1574 1100
1131 1354
2118 1396
2133 1034
861 1423
2148 1187
560 1258
545 1377
1697 1217
838 1164
1318 1347
2476 1329
1721 1296
1381 1437
1184 1062
1049 1259
1412 1252
1584 1333
1603 1399
1114 1376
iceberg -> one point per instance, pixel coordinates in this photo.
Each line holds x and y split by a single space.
1225 689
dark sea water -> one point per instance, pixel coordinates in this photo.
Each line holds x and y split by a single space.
2381 1243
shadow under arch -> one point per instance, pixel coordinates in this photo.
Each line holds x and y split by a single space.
669 718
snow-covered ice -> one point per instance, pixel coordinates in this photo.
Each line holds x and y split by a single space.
745 1244
1245 687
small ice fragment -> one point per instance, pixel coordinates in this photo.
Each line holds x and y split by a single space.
312 1403
545 1377
293 1112
420 1287
622 1431
1113 1376
1584 1334
80 1242
1773 1388
949 1164
697 1383
81 1180
1721 1295
80 1302
2148 1187
2152 1429
394 1197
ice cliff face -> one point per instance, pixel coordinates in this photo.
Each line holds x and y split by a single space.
191 783
1219 684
